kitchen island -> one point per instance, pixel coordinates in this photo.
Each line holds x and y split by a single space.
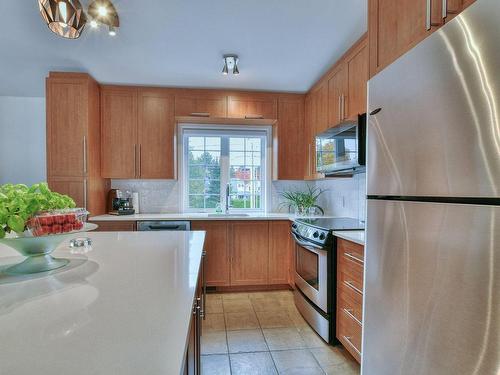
125 307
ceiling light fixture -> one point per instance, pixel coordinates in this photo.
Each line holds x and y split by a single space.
65 18
231 64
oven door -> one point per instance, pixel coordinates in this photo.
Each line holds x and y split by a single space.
311 272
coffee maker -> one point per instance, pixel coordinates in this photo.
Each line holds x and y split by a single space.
120 203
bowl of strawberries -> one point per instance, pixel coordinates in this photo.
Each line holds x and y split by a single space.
34 221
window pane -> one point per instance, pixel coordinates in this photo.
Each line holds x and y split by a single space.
253 144
212 143
237 158
237 144
196 201
211 201
196 187
196 143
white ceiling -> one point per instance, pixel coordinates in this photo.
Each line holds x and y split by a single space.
284 45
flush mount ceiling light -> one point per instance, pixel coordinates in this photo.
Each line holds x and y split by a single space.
63 17
67 18
230 64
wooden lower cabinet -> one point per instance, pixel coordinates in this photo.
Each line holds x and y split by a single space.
116 226
350 263
192 357
249 242
247 253
217 267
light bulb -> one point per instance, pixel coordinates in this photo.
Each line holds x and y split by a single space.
103 12
63 10
112 31
225 69
93 24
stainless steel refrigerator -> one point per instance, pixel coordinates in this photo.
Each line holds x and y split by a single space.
432 273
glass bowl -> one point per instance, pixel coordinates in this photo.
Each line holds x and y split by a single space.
37 251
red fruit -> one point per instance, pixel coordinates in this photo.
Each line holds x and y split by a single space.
78 225
56 228
59 219
44 229
70 218
68 227
46 220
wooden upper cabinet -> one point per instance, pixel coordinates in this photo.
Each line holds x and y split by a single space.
200 103
249 242
67 117
291 138
395 26
337 96
358 78
280 252
253 105
308 136
119 132
156 157
320 108
216 247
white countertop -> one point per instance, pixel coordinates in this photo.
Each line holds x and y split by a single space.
193 216
123 309
357 236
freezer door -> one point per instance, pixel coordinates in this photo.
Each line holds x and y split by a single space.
438 133
432 289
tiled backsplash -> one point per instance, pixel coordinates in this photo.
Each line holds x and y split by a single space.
343 196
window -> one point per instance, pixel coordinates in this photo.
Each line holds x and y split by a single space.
217 161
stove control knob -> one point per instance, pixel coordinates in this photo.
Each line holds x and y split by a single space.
316 234
294 226
322 236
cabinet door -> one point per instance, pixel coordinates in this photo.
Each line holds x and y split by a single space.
156 135
66 127
308 137
216 247
253 106
119 133
249 252
201 104
115 226
358 78
320 108
291 139
76 188
337 97
394 26
280 252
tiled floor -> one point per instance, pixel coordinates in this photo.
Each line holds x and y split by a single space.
263 333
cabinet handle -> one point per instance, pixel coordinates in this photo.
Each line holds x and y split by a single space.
85 193
140 160
348 339
340 108
309 160
350 284
428 14
203 285
445 9
135 160
254 117
198 339
349 313
343 107
84 155
200 114
351 256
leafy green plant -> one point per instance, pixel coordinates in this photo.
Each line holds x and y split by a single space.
18 203
302 200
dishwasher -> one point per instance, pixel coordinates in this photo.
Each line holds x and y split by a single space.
167 225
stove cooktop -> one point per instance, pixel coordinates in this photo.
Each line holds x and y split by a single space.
333 224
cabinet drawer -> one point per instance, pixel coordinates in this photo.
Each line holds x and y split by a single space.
351 251
115 226
350 302
351 274
349 334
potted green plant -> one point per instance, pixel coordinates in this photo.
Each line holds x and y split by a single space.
303 202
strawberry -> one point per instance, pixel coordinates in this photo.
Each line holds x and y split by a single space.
56 228
68 227
59 219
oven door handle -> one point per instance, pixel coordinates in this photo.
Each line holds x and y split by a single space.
307 245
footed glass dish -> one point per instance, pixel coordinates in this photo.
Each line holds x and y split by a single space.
37 251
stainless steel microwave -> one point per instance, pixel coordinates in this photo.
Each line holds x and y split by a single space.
341 150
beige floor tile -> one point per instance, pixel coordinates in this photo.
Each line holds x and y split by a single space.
237 321
296 362
232 296
252 364
245 341
237 305
213 322
214 343
311 338
213 297
330 356
214 306
259 295
351 368
274 319
215 365
283 339
266 304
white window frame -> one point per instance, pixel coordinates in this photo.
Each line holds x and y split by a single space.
232 130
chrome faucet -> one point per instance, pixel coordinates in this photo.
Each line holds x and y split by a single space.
227 198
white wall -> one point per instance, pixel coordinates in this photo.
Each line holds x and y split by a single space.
22 140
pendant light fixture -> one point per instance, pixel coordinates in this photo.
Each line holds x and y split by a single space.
66 18
230 64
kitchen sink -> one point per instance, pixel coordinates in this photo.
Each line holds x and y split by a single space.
228 215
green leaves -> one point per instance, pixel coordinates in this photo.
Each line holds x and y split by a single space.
302 200
18 203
